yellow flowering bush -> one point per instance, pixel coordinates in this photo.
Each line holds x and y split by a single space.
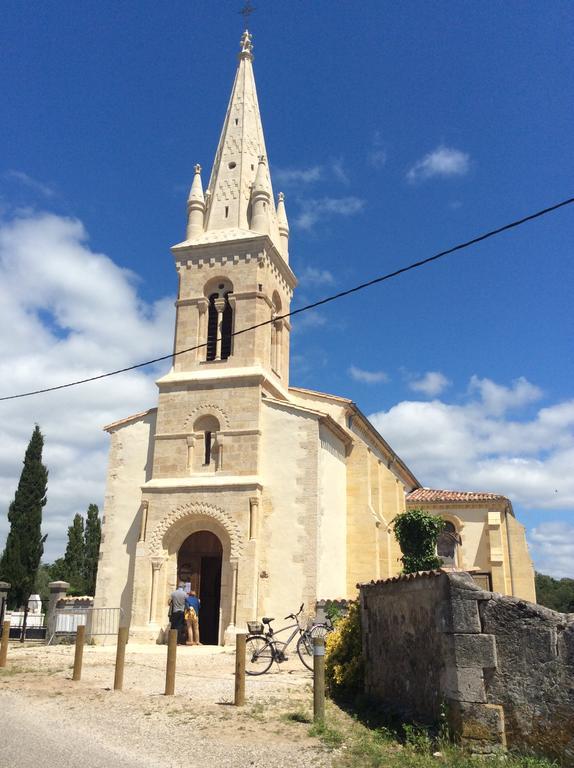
344 656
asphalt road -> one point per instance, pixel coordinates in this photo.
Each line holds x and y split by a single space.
28 741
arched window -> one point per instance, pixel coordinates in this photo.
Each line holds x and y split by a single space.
219 319
447 543
206 428
226 329
212 328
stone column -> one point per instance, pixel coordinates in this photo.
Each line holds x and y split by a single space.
58 590
143 521
4 589
230 632
253 517
277 363
202 307
156 564
190 449
219 306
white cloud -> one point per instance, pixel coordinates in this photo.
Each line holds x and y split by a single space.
478 446
552 547
314 211
314 276
338 169
294 176
378 158
497 399
38 187
297 177
309 319
367 377
443 162
71 313
431 384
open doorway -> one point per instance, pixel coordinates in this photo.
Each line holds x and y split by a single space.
199 564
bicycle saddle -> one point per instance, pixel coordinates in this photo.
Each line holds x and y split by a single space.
267 620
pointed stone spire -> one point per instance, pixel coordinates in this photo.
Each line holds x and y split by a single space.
283 226
195 206
260 198
229 193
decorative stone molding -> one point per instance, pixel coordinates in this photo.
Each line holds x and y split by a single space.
206 409
196 510
156 562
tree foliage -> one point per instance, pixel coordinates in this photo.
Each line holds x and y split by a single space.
557 594
344 667
75 555
79 566
92 537
25 543
417 532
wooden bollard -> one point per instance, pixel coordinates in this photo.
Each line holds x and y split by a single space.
240 641
79 652
318 679
4 643
170 668
120 658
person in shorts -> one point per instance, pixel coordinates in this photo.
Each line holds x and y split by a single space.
192 618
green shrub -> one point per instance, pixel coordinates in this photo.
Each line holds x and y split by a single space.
417 532
344 669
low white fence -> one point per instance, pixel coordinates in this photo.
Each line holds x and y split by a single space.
16 619
99 622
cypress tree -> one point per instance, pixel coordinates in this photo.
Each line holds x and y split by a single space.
25 543
74 557
92 536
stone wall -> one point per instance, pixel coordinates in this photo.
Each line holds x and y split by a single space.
503 667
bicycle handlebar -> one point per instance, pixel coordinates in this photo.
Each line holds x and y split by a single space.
294 615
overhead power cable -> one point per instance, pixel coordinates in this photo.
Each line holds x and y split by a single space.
307 307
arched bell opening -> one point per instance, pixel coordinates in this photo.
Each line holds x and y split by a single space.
199 562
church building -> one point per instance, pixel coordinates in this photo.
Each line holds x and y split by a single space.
260 494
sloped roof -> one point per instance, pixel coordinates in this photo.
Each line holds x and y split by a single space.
432 495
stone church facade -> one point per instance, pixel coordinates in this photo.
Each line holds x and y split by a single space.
260 494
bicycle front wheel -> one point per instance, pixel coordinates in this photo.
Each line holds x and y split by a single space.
320 630
258 655
305 650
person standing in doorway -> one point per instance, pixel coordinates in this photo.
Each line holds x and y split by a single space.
177 612
192 604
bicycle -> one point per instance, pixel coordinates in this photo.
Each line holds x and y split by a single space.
262 648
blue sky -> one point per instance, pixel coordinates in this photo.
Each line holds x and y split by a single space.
394 130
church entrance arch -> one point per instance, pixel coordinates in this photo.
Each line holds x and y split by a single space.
199 562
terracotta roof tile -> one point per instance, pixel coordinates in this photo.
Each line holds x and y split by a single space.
449 497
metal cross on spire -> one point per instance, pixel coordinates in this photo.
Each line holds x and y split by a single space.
247 10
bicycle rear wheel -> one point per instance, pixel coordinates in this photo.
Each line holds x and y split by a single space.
305 650
258 655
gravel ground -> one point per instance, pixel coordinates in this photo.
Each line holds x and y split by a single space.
88 723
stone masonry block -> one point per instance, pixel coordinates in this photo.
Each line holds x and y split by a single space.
473 650
463 684
459 616
479 727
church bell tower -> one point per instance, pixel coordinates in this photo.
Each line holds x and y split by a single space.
233 266
203 497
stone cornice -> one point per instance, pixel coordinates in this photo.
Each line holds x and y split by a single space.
224 432
186 379
255 247
218 481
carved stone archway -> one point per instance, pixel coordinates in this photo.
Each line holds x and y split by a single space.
195 510
166 539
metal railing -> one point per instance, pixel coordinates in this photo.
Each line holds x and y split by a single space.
98 622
